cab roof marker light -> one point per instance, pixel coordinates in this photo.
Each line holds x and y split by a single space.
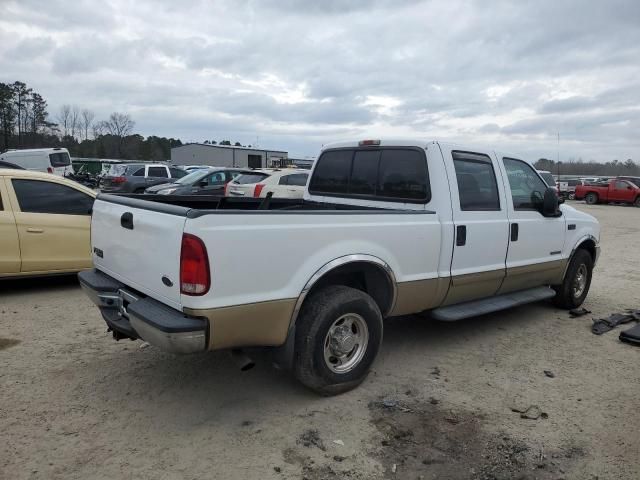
369 143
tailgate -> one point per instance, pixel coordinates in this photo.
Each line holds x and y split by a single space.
138 243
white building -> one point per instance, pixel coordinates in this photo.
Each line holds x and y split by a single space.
227 156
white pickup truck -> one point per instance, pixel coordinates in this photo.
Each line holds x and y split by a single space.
385 228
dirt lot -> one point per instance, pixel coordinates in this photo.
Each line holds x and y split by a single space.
74 404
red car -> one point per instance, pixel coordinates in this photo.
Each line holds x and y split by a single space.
617 190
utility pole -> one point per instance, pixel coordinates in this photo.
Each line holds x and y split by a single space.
558 156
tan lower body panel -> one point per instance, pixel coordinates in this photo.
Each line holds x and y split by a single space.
529 276
420 295
465 288
253 324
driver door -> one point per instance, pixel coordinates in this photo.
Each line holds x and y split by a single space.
536 243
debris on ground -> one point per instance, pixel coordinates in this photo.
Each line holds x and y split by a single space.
144 345
631 336
277 469
533 412
311 438
339 442
603 325
549 374
579 312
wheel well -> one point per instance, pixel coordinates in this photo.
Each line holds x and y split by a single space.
590 246
365 276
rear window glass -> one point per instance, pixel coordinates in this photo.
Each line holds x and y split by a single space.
392 174
59 159
248 178
548 178
158 172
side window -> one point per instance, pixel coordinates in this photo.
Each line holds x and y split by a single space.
216 178
284 180
527 188
477 185
403 175
298 179
621 185
38 196
332 172
159 172
177 172
139 172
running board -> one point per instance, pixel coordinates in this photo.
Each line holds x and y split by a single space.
492 304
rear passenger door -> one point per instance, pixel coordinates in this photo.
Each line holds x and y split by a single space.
480 225
536 242
9 244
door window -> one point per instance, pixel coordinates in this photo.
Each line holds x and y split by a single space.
621 185
527 188
177 172
38 196
139 172
217 178
477 185
298 179
157 172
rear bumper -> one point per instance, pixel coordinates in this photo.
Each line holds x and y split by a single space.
136 316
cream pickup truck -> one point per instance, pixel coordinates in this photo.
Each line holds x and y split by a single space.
385 228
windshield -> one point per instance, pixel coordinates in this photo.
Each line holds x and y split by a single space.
193 177
248 178
59 159
548 178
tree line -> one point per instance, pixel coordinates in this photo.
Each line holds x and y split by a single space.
26 123
591 168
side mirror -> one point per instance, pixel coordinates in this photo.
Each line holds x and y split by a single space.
550 203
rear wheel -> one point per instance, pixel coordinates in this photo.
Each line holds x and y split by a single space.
575 287
572 196
637 202
591 198
338 335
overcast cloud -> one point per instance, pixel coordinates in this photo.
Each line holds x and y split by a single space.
298 74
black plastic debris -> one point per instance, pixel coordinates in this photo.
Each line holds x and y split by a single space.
579 312
603 325
631 336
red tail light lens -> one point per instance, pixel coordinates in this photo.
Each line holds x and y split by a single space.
118 180
258 190
226 189
49 170
195 278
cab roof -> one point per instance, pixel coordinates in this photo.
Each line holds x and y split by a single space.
31 175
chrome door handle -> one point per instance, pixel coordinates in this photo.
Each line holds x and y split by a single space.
35 230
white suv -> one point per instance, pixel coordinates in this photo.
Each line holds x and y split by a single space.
282 183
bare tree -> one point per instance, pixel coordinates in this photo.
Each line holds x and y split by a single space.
87 121
64 119
75 121
120 126
97 129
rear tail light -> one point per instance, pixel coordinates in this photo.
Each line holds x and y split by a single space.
258 190
226 189
49 170
195 278
118 180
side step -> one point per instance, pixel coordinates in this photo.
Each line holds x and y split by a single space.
492 304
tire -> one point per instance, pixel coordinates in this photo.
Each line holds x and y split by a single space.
572 292
637 202
324 320
139 190
572 196
591 198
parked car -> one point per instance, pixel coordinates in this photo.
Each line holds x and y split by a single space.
281 183
191 168
634 180
10 165
210 181
617 190
385 228
572 183
44 224
48 160
137 177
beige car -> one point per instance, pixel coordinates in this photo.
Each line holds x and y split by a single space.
44 224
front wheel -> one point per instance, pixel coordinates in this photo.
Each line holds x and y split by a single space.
338 335
591 198
572 196
575 286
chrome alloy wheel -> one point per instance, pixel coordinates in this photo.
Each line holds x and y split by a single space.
580 281
346 343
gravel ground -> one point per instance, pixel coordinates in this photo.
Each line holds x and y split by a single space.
439 403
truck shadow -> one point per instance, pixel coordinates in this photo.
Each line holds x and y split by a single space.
38 284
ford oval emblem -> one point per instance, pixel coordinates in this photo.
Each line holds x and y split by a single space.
167 281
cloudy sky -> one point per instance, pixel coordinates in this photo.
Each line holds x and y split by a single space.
297 74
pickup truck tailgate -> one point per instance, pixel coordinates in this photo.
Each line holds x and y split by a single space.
139 247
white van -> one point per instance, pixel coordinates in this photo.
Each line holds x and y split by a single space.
48 160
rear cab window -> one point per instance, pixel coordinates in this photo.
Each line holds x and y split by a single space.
391 174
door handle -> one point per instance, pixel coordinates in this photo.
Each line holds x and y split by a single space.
461 235
35 230
514 232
